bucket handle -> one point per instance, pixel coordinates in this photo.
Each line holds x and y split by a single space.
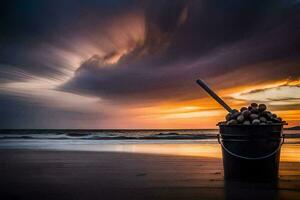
250 158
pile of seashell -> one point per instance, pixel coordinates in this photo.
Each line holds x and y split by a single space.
253 115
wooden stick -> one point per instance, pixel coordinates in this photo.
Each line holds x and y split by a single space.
213 95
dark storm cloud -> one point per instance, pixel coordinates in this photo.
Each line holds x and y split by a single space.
26 26
35 38
42 19
189 39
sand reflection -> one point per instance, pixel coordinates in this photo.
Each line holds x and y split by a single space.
203 150
289 152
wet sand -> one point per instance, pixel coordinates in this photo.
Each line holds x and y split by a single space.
28 174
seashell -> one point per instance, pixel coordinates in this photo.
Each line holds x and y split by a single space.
254 105
235 115
256 122
243 109
254 110
266 114
262 119
232 122
262 107
253 117
246 113
240 118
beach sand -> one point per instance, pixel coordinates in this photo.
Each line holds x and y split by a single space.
28 174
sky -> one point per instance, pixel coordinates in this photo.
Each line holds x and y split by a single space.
127 64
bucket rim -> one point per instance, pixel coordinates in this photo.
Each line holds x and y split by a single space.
245 125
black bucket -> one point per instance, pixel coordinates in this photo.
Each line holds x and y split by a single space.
251 152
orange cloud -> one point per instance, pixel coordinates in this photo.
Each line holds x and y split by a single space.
203 112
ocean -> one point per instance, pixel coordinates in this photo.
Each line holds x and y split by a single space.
201 142
79 134
73 139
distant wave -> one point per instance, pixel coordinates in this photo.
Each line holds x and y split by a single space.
117 134
90 136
